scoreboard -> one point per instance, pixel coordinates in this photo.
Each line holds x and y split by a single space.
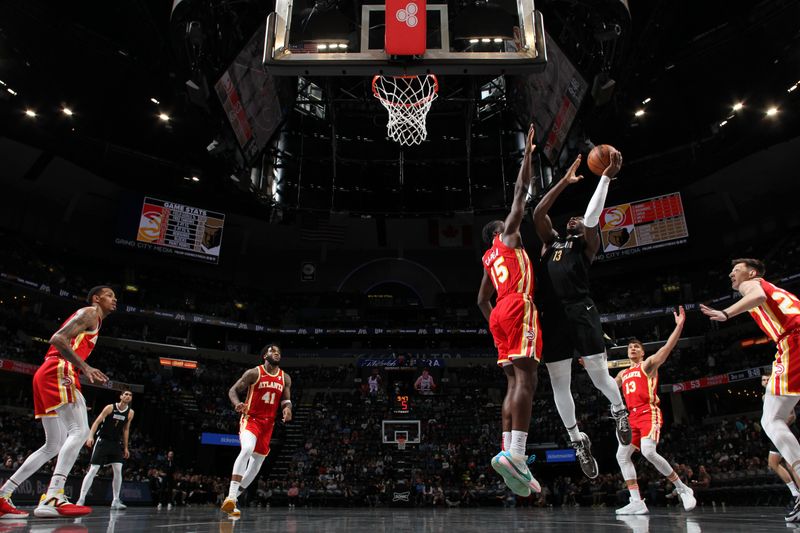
179 229
643 225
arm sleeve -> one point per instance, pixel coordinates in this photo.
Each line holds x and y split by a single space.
595 207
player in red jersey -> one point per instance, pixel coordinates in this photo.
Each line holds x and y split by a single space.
515 329
268 389
639 385
59 404
777 313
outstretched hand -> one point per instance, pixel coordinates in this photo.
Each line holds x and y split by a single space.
530 146
680 316
570 177
615 165
713 314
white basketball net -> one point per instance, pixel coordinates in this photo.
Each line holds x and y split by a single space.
408 100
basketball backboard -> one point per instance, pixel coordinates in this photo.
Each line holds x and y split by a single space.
347 38
392 430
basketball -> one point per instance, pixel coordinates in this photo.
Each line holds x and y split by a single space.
599 158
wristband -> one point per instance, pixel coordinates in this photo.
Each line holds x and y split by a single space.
284 402
726 314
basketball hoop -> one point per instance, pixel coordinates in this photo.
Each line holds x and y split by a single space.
408 100
401 443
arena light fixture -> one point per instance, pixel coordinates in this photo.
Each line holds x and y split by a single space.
155 101
195 179
11 91
67 111
772 111
723 123
3 83
639 112
792 88
31 113
646 101
738 106
163 117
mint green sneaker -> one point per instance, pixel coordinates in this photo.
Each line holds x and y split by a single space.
520 481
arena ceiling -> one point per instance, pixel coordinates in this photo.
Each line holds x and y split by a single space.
120 66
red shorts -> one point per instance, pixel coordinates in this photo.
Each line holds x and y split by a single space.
515 327
261 428
785 379
645 423
55 383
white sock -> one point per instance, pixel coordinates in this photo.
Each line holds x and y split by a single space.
679 484
635 496
519 440
233 493
574 433
7 489
506 441
793 489
56 484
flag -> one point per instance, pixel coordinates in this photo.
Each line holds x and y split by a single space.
315 229
449 232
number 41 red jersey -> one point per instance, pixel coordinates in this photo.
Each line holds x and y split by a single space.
264 396
509 268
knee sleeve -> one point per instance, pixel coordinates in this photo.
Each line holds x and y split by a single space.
650 453
561 381
248 442
624 454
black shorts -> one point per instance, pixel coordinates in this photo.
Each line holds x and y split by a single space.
571 330
106 452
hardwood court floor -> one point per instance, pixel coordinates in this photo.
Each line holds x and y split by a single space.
481 520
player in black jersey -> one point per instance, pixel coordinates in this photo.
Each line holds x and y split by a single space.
570 320
112 426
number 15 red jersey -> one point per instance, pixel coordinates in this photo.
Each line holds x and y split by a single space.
509 268
264 396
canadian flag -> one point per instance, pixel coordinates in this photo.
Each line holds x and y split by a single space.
406 27
450 233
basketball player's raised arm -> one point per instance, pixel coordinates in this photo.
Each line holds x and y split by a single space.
126 432
286 398
752 296
247 379
511 236
591 219
541 220
660 357
97 421
618 379
85 319
485 296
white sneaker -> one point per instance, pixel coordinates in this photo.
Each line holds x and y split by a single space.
634 507
158 507
688 499
169 507
117 505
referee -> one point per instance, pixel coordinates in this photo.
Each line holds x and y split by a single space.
112 427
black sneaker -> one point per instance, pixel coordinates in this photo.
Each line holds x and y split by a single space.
583 451
623 426
794 514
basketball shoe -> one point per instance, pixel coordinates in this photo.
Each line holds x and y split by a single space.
58 506
794 514
623 425
117 505
583 451
634 507
688 499
517 476
229 507
9 512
